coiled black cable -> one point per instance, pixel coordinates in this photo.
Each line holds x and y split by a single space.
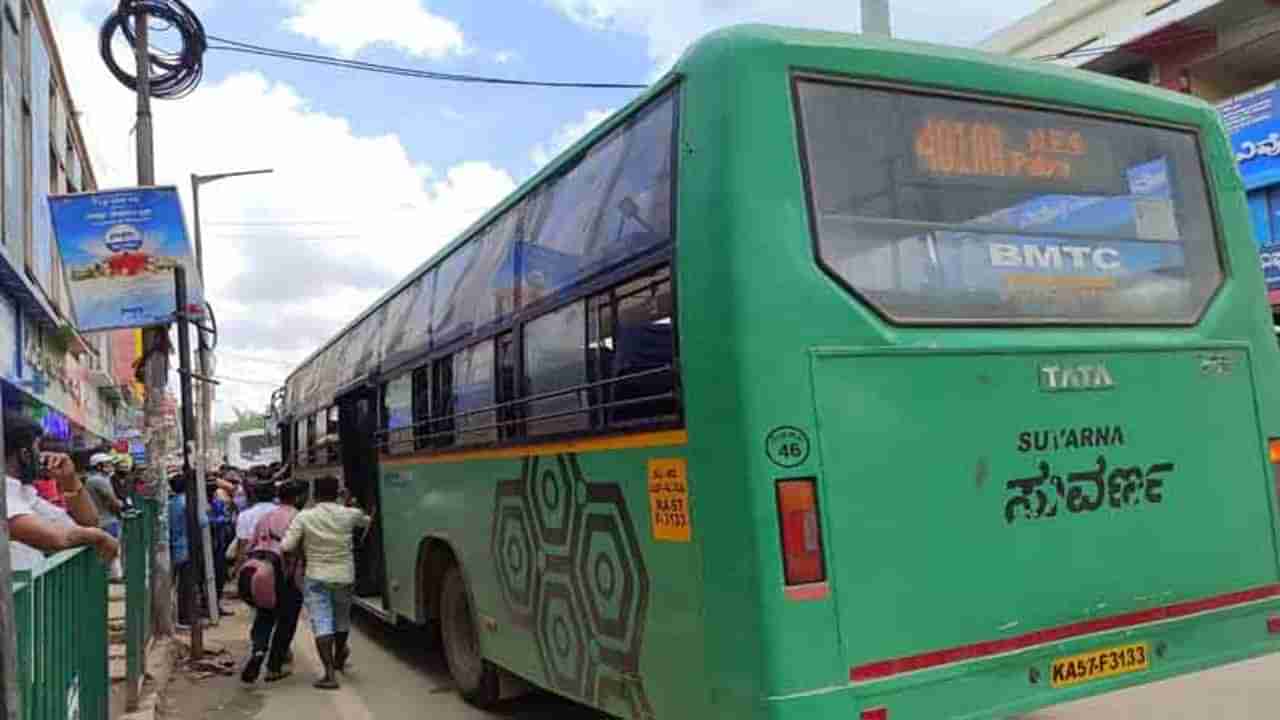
174 74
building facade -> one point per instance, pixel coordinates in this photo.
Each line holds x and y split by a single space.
1223 51
79 387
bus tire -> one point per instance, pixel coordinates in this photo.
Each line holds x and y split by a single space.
477 679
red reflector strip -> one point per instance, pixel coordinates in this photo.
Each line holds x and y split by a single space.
912 663
816 591
876 714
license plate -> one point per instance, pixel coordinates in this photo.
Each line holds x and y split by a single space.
1099 664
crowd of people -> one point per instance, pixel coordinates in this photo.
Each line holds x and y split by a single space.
283 556
280 553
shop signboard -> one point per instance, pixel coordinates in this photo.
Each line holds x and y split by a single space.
1254 126
120 248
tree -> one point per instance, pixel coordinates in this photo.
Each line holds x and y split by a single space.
245 420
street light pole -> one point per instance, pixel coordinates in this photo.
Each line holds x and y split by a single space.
204 428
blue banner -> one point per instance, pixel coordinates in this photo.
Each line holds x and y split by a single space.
120 248
1254 125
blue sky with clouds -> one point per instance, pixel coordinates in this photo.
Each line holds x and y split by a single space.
374 173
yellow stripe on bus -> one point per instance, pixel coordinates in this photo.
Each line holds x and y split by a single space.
621 442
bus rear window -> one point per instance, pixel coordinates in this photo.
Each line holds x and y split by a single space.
937 209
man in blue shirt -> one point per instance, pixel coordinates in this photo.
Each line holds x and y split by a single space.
180 548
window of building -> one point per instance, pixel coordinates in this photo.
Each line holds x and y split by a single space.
11 55
41 171
24 172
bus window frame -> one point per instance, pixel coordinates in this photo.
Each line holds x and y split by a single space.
799 75
441 433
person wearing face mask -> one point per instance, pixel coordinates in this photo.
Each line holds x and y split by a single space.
36 526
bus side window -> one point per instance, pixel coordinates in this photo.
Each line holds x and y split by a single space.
397 415
311 439
508 408
442 402
473 393
332 437
422 406
300 441
633 352
556 371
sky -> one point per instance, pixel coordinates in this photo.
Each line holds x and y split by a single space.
375 173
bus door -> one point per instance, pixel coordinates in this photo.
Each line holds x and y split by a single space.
358 425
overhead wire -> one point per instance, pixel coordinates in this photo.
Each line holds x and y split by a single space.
229 45
175 73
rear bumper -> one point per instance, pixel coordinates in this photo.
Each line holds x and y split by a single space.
1001 685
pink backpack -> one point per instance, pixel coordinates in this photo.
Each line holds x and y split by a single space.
265 564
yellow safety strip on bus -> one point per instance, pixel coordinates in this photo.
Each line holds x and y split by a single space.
619 442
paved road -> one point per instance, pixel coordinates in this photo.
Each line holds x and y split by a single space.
396 675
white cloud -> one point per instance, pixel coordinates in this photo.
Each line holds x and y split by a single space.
567 135
289 257
351 27
502 57
671 25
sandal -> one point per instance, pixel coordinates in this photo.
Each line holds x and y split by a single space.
276 675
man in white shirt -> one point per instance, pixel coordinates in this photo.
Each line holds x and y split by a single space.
324 532
34 523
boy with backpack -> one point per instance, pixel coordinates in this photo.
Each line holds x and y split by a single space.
271 581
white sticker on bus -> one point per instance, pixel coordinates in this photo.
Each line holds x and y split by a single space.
1031 256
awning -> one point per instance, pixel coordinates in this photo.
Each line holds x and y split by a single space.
1121 37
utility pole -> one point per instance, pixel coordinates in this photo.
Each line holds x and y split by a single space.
10 697
875 17
205 430
194 507
155 348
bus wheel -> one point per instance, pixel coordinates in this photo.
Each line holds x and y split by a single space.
476 678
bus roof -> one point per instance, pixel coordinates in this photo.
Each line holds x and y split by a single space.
722 49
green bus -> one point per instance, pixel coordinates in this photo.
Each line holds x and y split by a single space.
832 377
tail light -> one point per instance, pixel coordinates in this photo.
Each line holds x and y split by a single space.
801 532
1273 454
880 713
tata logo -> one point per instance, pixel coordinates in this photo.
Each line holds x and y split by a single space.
1056 377
122 238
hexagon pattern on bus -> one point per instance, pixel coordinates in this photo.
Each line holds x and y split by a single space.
571 570
515 551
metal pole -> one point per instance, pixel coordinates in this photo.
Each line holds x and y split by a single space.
194 509
195 203
157 364
875 17
10 696
212 591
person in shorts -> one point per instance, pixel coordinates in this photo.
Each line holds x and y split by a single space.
324 532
